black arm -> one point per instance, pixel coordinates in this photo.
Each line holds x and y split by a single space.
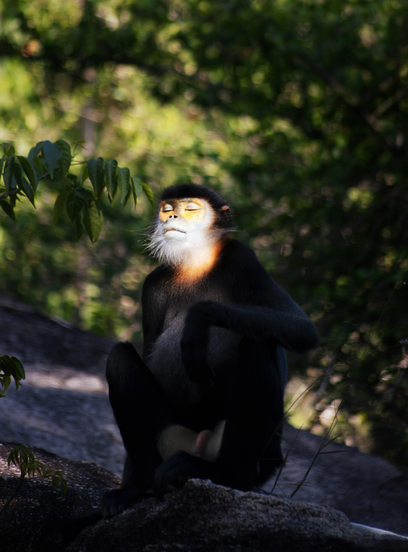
292 329
287 324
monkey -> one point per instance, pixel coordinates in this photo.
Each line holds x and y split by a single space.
205 398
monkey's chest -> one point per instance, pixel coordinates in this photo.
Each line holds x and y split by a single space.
166 362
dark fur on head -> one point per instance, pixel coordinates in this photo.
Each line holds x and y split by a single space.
180 191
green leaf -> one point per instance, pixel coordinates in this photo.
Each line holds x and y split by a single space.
64 486
65 161
39 163
96 175
18 174
60 203
148 193
8 173
30 170
93 221
79 227
1 165
111 178
138 186
135 187
75 202
35 151
8 209
6 380
52 155
55 482
11 458
11 366
24 454
8 149
19 367
85 174
23 184
125 184
13 198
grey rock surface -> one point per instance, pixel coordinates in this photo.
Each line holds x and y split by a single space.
206 517
201 516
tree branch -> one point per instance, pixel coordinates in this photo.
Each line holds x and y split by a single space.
8 194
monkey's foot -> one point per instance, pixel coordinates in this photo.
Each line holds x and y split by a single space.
176 438
208 442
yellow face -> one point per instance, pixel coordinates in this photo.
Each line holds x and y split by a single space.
191 210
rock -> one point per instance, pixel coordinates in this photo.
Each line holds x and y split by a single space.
206 517
200 517
34 520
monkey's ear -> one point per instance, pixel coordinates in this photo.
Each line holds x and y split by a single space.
226 209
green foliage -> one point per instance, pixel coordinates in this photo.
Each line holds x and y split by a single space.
10 367
23 458
47 159
297 111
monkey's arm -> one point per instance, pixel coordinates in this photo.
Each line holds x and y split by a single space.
290 328
287 324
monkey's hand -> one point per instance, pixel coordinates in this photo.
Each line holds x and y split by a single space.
194 342
178 469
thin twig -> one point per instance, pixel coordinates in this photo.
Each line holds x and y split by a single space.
7 194
13 494
284 462
321 447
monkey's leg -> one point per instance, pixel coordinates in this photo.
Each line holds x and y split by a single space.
255 412
254 417
141 411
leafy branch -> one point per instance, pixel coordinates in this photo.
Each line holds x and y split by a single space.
21 177
22 457
10 367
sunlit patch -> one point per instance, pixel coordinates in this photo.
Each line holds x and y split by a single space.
81 383
189 209
197 268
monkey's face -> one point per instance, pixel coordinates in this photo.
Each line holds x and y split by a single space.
184 233
180 219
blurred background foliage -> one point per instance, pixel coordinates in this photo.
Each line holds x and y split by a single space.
295 110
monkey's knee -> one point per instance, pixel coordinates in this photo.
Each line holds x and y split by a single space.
122 358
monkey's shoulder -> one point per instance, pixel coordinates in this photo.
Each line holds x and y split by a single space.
240 269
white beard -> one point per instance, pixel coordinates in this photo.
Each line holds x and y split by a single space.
189 247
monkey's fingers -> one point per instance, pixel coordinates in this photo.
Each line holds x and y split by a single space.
173 474
115 501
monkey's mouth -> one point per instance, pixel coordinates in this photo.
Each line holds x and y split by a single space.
173 230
